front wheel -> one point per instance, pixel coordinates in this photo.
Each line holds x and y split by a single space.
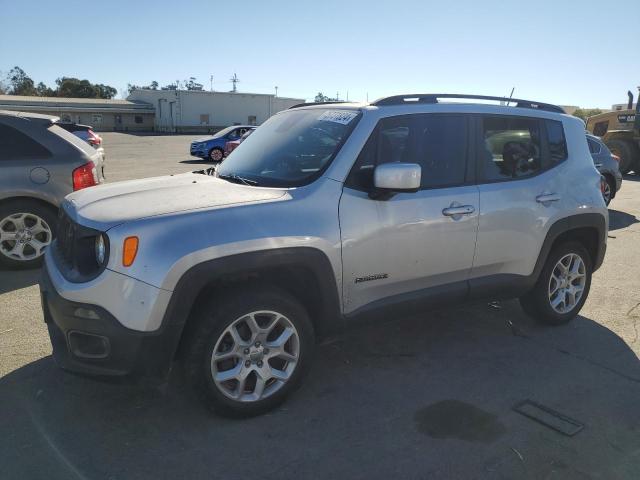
249 351
562 287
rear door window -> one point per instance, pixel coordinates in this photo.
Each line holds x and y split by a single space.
510 148
15 145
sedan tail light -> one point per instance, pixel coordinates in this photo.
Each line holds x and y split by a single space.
85 176
94 139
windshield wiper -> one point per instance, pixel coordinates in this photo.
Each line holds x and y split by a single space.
232 177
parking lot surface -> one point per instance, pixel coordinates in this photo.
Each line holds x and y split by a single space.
426 396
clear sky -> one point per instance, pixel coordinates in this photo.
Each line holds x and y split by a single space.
548 50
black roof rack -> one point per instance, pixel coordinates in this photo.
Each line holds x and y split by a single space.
433 98
315 103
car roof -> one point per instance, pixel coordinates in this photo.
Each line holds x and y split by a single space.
29 115
79 126
410 100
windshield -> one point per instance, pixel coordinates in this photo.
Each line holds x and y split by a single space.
224 132
290 149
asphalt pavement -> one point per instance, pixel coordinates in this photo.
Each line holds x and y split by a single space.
426 396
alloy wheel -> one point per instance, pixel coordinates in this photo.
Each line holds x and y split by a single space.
255 356
567 283
24 236
216 155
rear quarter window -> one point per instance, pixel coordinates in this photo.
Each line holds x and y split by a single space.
16 145
556 142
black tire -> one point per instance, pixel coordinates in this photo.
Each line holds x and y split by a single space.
612 189
628 153
536 303
213 154
27 206
212 320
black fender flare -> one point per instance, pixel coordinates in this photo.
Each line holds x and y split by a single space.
194 280
573 222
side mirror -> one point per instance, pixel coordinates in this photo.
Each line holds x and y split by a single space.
390 178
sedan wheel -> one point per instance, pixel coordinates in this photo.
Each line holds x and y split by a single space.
24 236
216 155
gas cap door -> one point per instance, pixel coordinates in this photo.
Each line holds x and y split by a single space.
39 175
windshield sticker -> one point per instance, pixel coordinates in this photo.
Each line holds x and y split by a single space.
338 116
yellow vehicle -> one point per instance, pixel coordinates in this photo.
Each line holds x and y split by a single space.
620 131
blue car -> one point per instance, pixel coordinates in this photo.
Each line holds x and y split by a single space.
213 148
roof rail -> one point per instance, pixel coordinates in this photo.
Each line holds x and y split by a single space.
306 104
433 98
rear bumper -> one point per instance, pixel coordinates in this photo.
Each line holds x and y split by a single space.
618 177
87 339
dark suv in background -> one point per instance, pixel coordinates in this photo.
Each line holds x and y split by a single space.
40 163
608 165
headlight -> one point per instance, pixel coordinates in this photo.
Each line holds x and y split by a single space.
101 249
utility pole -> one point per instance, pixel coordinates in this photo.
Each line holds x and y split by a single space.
347 95
337 96
211 80
276 90
235 80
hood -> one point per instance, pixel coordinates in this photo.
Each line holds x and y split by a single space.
202 140
107 205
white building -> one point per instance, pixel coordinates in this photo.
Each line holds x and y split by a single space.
201 111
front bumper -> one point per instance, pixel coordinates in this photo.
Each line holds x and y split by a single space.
87 339
199 151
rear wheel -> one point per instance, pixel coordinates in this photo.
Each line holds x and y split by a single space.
27 228
628 153
216 154
562 287
249 351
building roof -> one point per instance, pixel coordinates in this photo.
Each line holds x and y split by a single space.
217 93
17 102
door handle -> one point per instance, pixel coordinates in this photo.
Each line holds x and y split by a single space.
547 197
457 211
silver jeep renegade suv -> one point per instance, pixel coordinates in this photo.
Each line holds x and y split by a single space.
325 214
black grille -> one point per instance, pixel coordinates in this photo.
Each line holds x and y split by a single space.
74 250
66 238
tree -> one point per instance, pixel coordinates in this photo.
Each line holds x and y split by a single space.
75 88
191 84
152 86
586 113
20 83
43 91
321 97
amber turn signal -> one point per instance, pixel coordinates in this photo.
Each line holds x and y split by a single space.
129 251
